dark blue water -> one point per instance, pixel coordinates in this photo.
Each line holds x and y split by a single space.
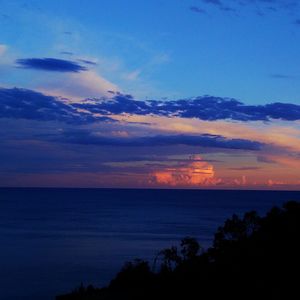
51 240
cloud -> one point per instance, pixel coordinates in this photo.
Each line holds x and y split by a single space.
227 9
297 22
5 16
154 160
197 10
131 76
66 53
266 160
112 151
196 173
245 168
213 2
205 140
260 7
282 76
242 181
217 3
26 104
31 105
272 182
205 108
78 86
87 62
50 64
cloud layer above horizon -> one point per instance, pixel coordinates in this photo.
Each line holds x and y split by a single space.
124 139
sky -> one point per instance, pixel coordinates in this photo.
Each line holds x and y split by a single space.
150 94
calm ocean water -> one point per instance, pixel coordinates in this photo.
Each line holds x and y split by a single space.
51 240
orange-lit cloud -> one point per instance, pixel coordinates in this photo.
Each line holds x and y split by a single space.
196 173
242 181
271 182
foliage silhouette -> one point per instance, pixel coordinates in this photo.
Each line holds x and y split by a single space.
251 257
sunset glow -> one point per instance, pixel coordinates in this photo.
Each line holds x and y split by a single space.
195 173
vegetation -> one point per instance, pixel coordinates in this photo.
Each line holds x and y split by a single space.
251 258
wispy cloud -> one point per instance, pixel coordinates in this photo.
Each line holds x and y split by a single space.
197 9
245 168
213 2
132 75
282 76
265 159
219 4
297 22
66 53
88 62
259 7
77 86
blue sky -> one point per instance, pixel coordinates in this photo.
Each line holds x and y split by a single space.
160 49
169 93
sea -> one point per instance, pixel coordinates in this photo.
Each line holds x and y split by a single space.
52 240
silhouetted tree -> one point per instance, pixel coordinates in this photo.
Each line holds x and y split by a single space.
252 258
189 248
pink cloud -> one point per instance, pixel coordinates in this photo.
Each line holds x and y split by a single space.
196 173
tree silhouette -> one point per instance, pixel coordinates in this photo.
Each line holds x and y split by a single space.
189 248
252 257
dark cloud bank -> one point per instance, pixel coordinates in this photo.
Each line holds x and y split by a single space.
204 108
28 104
